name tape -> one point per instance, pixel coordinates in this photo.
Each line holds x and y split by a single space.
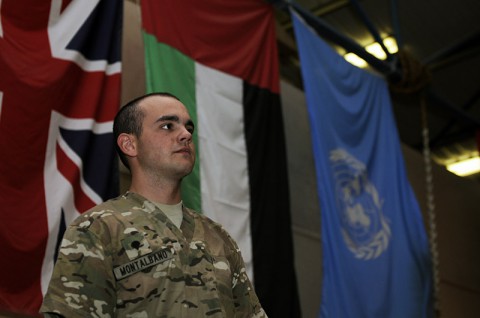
141 263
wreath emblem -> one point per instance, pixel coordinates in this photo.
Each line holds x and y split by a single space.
365 230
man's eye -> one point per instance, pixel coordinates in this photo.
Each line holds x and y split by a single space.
190 130
166 126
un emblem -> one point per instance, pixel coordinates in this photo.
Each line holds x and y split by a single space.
365 230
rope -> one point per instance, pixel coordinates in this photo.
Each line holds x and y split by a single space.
415 76
430 206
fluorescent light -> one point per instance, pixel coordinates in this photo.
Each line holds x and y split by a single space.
465 167
391 44
354 59
376 50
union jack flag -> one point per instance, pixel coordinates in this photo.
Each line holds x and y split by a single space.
59 92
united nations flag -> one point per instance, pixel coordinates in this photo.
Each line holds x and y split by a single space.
376 260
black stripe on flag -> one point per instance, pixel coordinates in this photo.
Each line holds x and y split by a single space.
272 243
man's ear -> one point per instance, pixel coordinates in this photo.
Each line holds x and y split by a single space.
127 144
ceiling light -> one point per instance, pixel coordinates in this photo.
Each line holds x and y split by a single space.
354 59
465 167
376 50
391 44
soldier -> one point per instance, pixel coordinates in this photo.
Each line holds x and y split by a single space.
144 254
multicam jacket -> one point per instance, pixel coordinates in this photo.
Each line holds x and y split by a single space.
124 258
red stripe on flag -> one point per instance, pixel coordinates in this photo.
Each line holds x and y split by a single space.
72 173
203 31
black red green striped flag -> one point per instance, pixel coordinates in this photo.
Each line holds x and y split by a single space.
220 58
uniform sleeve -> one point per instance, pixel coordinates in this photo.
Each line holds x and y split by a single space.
82 284
244 296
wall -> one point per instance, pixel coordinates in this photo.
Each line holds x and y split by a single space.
303 199
457 202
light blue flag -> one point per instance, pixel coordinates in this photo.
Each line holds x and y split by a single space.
376 258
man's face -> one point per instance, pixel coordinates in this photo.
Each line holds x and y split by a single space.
165 146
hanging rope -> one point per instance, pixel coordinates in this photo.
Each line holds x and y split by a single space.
415 76
430 206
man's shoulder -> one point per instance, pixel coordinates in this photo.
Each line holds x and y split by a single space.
109 209
202 217
209 223
113 204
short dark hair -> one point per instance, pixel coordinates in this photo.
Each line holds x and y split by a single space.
129 120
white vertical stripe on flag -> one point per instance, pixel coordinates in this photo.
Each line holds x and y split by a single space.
223 152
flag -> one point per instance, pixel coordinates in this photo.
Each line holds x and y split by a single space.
376 260
220 58
59 92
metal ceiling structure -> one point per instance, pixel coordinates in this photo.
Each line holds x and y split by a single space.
438 62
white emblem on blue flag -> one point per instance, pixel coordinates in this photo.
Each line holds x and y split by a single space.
365 229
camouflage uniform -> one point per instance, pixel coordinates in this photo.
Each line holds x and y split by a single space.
124 258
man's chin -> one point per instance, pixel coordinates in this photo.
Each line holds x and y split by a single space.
186 170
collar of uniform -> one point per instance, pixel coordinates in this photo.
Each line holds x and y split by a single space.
187 227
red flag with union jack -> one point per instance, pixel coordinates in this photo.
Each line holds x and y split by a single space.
59 92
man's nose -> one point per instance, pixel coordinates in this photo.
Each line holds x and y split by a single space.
185 135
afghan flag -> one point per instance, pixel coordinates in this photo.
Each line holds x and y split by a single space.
59 92
220 58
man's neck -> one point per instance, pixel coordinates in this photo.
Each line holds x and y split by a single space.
161 192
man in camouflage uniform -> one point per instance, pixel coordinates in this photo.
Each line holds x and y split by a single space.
144 254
